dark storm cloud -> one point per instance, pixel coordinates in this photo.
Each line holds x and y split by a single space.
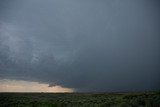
87 45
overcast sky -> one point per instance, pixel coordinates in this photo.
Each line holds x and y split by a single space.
87 45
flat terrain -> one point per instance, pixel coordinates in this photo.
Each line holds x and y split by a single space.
139 99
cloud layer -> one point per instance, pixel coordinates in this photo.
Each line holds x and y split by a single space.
86 45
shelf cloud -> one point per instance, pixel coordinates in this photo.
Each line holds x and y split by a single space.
85 45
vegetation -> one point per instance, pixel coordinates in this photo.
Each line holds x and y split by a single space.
140 99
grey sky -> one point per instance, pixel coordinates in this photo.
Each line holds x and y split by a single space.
89 45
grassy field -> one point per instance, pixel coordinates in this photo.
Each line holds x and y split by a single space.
139 99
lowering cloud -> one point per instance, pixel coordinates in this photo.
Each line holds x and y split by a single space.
86 45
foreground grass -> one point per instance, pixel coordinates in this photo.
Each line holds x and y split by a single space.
141 99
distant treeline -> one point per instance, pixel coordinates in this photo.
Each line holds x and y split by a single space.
139 99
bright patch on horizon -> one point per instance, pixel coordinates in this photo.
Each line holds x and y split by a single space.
27 86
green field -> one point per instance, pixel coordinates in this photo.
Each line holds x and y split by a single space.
139 99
